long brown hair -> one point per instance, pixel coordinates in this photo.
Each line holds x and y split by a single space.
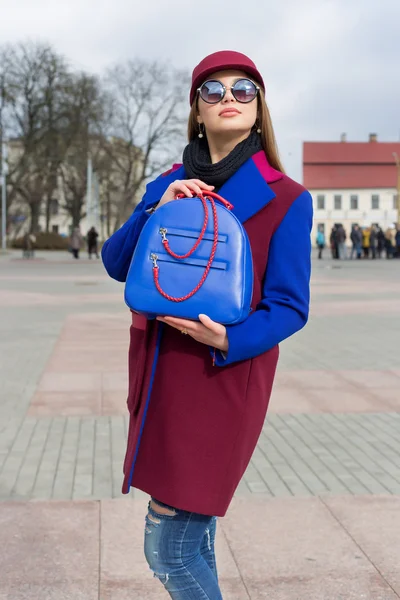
264 123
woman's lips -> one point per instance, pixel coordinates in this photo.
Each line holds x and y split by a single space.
229 113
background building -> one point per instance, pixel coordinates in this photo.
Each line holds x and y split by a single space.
352 182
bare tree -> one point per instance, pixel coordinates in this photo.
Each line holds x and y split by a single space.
4 101
36 80
131 124
148 121
86 111
58 137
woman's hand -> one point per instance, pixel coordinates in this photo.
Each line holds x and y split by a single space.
189 187
206 332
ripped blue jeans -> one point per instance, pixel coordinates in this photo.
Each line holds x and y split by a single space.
179 549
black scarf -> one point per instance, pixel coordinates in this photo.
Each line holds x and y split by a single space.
198 165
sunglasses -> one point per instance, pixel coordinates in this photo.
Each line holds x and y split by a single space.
213 91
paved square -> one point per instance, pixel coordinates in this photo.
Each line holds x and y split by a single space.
317 514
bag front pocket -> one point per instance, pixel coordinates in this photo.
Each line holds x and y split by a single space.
193 262
208 236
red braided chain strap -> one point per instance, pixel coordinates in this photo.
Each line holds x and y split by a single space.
210 196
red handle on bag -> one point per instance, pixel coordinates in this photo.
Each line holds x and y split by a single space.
210 196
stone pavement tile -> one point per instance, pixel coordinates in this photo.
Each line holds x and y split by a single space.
347 399
11 298
355 401
114 403
45 404
372 379
84 473
71 360
46 471
352 307
353 289
319 380
391 397
102 477
295 549
291 400
115 382
118 449
374 524
283 379
49 550
125 573
70 382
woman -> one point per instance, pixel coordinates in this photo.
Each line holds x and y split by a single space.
203 421
92 236
389 243
366 234
320 242
76 242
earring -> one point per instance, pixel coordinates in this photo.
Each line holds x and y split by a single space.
257 125
201 130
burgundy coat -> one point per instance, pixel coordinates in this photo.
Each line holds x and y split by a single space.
203 421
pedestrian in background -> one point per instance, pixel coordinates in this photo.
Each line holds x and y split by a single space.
334 242
373 241
92 236
320 242
210 387
389 242
28 245
76 242
380 236
356 240
341 237
365 241
397 241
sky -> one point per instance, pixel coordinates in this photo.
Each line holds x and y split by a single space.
330 66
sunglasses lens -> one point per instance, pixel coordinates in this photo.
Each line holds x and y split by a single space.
212 92
244 90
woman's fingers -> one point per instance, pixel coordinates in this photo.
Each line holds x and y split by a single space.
203 185
213 326
184 189
179 323
193 328
195 185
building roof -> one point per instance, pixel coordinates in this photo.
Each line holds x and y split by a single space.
350 165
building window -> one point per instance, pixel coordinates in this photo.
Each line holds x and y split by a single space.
354 202
320 201
54 229
395 202
337 202
375 201
54 207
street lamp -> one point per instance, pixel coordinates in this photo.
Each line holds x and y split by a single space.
397 161
3 183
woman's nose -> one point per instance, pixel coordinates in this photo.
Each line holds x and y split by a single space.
229 97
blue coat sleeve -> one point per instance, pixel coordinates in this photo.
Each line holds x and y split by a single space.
284 307
118 250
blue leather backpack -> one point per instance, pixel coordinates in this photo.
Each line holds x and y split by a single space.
183 265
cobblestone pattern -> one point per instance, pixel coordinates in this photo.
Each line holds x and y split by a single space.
297 455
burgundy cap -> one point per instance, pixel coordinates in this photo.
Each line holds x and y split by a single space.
220 61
